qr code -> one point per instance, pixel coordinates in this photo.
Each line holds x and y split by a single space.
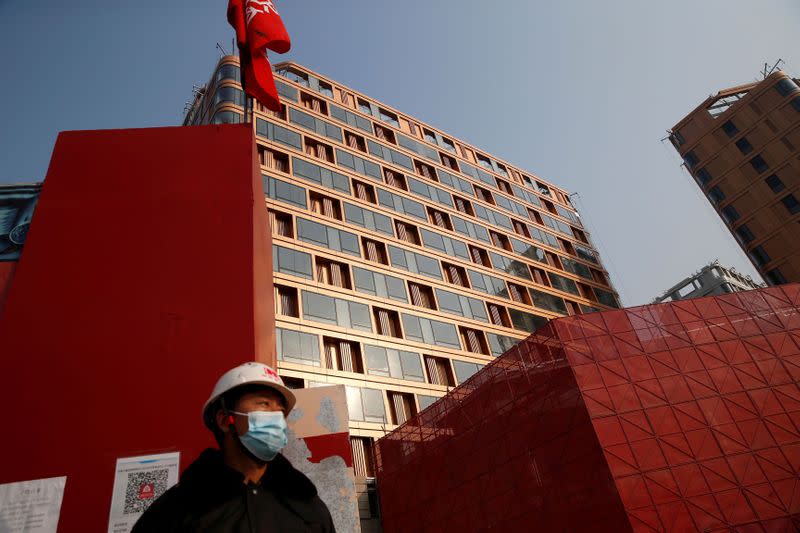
143 488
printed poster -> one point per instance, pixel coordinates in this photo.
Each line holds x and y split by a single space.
138 482
31 506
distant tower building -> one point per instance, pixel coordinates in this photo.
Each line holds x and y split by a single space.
711 280
741 147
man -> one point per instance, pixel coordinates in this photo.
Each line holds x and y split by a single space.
246 485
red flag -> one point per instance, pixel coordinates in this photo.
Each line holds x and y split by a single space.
258 27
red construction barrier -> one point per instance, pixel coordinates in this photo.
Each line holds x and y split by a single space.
147 272
682 416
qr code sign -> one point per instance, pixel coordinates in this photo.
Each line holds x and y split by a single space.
143 488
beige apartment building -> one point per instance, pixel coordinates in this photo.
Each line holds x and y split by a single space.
741 147
404 258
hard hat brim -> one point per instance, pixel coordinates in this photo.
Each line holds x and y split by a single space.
284 391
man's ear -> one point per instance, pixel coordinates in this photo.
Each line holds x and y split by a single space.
222 421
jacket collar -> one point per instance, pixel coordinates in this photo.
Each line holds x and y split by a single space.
209 472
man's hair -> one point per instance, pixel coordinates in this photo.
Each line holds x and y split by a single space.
231 398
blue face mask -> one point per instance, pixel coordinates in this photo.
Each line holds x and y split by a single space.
267 433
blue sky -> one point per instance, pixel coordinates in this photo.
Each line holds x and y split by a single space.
579 92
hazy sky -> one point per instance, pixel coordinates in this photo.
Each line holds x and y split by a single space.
580 92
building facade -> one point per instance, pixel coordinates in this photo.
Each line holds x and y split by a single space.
405 259
711 280
17 202
741 147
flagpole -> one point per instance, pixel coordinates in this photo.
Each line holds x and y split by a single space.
247 104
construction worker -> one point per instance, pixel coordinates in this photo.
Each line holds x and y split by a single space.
246 485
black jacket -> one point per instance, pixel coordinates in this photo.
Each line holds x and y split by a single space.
212 497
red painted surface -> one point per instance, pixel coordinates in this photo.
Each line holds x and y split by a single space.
324 446
675 417
146 274
7 269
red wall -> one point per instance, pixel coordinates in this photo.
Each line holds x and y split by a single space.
146 274
682 416
6 276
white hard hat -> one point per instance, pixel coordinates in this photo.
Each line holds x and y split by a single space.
250 373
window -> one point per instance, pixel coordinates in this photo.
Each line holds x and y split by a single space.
759 164
465 370
364 192
500 344
401 204
498 315
430 192
319 150
286 301
388 117
421 295
690 159
444 244
470 229
744 146
319 175
463 206
455 275
744 234
379 284
325 206
395 179
297 347
426 401
449 162
729 214
354 141
521 229
500 240
273 159
374 251
484 195
336 311
775 183
479 256
439 218
730 129
389 362
540 276
716 195
407 232
424 170
342 355
786 86
792 205
510 266
359 165
518 293
606 298
313 103
439 371
281 223
316 125
430 331
796 104
365 405
550 302
327 237
402 406
333 273
364 107
284 192
293 262
775 277
368 219
417 147
387 322
384 134
458 304
526 321
414 262
278 134
474 341
362 456
292 382
488 284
